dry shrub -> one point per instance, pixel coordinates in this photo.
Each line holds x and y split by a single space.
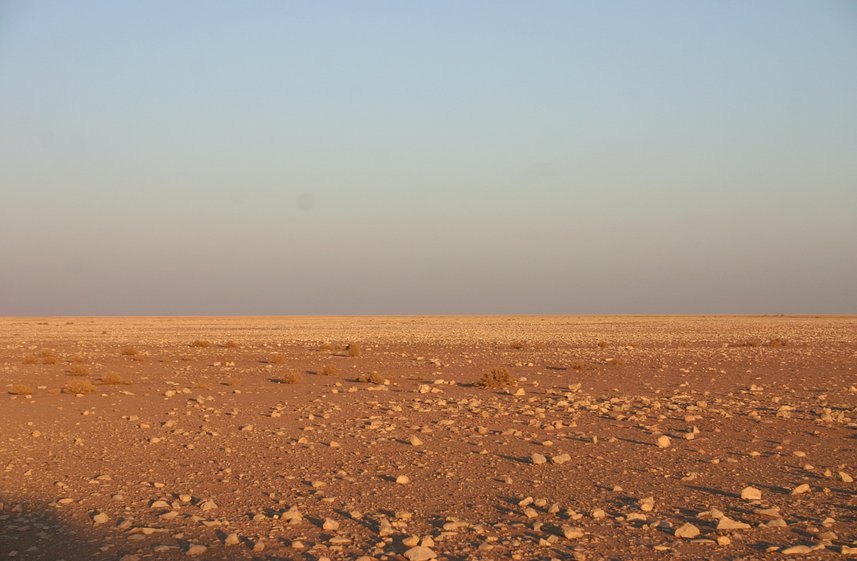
45 356
79 370
354 349
326 346
370 378
290 378
275 358
79 387
77 357
602 344
517 345
230 344
129 351
497 378
581 365
30 359
201 343
232 382
139 357
21 389
330 370
776 342
113 379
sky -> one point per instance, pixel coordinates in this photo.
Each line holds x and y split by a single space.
427 157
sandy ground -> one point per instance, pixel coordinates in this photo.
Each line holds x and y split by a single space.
621 438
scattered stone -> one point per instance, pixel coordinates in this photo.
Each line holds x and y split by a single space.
420 553
664 441
751 494
687 531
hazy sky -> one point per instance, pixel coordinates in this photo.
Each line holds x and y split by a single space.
427 157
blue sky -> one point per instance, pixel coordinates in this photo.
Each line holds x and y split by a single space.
428 157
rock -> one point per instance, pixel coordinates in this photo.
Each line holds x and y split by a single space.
664 441
847 550
845 477
798 550
403 480
801 489
330 524
571 533
414 441
723 540
100 518
196 549
420 553
751 494
231 539
561 459
727 523
207 505
687 531
537 459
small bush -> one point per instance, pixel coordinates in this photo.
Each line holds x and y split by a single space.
77 357
201 343
21 389
517 345
129 351
496 378
230 344
232 382
290 378
602 344
776 342
354 349
30 359
370 378
581 365
326 346
79 387
330 370
113 379
78 370
275 358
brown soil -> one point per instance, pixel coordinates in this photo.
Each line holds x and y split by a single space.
202 434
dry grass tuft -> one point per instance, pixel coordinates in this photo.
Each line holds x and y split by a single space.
232 382
517 345
230 345
45 356
130 351
497 378
290 378
79 370
77 357
354 349
201 343
370 378
275 358
330 370
326 346
602 344
113 379
79 387
21 389
581 365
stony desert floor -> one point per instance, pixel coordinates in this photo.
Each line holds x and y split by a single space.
371 438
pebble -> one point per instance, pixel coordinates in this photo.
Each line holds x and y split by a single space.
751 494
196 549
726 523
664 441
801 489
420 553
537 459
687 531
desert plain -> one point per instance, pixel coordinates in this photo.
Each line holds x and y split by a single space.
415 438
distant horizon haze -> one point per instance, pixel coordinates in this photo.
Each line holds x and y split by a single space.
443 158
